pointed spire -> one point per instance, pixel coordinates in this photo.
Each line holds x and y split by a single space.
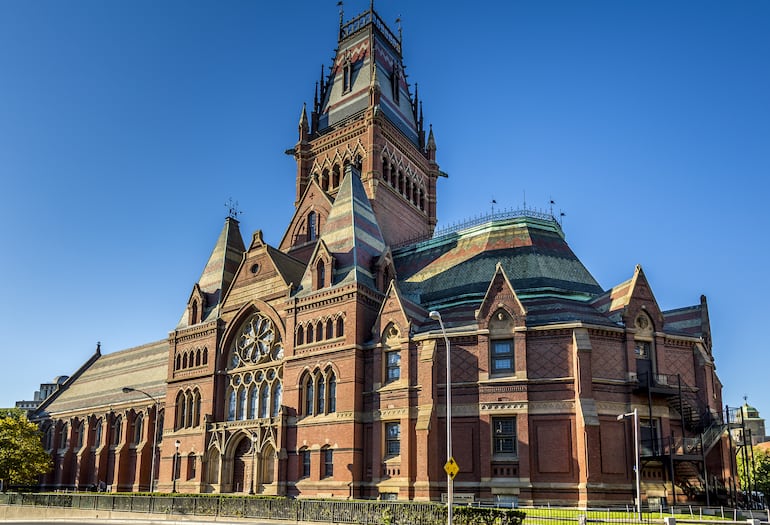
421 129
303 125
219 271
374 89
316 110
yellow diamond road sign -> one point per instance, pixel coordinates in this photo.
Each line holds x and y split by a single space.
451 468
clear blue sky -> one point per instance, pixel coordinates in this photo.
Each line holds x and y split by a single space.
126 126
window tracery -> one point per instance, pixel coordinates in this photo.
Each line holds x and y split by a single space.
255 370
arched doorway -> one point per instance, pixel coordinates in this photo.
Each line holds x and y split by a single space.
267 467
241 466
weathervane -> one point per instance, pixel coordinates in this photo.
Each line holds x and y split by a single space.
232 209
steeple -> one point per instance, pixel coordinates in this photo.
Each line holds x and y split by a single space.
304 129
217 276
364 116
368 48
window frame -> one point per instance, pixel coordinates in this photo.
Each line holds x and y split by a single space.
328 462
305 463
392 443
495 356
390 368
500 436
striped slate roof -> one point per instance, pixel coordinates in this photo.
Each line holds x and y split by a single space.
99 385
219 271
688 320
357 37
351 234
456 269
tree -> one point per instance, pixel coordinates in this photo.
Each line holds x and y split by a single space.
760 475
22 457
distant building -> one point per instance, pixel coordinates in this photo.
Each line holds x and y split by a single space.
316 368
46 389
747 419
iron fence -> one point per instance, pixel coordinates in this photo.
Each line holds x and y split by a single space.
368 512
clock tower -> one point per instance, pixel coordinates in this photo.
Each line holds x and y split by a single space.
365 115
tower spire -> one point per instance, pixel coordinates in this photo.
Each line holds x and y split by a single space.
303 125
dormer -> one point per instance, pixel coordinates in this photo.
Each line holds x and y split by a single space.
195 306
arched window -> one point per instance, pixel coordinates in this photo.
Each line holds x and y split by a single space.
241 404
347 76
190 398
401 182
332 382
300 335
194 312
329 329
335 176
97 434
320 274
253 401
64 437
276 398
80 430
116 430
184 360
309 393
198 357
205 355
264 400
320 404
312 223
422 199
231 406
178 362
181 406
340 327
310 333
319 331
196 408
138 428
325 180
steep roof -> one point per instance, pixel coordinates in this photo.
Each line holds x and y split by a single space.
351 235
219 270
344 95
99 383
456 269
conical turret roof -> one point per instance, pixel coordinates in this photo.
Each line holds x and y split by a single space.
219 271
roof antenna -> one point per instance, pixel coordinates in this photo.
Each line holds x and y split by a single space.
552 203
232 209
525 199
493 205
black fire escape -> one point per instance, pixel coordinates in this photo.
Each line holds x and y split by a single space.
684 456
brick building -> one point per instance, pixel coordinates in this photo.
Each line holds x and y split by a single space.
314 368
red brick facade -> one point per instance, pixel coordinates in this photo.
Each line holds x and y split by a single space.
314 369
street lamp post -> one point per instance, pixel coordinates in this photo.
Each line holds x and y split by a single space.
128 389
253 453
436 316
174 467
635 415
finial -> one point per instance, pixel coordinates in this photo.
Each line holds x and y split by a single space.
232 209
371 6
342 14
398 23
99 348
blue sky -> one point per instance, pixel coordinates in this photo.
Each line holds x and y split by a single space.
126 126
